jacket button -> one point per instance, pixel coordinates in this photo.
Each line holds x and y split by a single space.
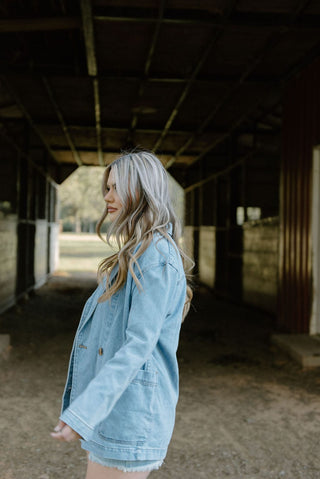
100 351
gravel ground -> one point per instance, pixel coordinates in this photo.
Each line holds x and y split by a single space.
245 410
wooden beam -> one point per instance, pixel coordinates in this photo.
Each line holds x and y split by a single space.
6 134
262 20
147 65
88 31
273 39
130 77
97 112
39 24
63 125
236 124
153 131
226 170
27 116
216 34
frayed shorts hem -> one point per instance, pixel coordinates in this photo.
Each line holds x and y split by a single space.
126 466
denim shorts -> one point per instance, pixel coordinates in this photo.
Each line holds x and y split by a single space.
126 466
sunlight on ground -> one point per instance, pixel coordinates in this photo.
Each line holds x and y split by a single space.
81 252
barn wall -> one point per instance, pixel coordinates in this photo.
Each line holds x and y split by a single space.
237 256
301 133
8 224
28 217
207 252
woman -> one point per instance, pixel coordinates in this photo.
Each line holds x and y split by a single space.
122 385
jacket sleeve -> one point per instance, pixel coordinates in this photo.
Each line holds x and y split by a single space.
148 311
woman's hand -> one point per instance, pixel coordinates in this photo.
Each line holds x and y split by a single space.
63 432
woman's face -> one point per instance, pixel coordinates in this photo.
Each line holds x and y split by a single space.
111 197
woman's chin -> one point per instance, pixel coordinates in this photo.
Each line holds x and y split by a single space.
113 216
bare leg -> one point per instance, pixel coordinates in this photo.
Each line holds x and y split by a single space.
96 471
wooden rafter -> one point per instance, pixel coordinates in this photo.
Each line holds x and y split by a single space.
237 162
62 122
150 131
147 65
215 36
39 24
236 124
174 80
88 31
5 133
273 39
27 115
256 19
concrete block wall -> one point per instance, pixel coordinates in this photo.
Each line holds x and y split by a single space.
8 263
207 255
260 264
188 241
53 247
46 250
41 252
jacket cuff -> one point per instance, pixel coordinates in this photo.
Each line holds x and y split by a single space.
83 429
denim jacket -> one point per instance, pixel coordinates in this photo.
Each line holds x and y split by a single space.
122 384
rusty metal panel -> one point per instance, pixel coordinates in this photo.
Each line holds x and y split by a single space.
301 133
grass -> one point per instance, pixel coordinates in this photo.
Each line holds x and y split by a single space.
81 252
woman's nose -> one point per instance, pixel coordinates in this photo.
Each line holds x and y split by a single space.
108 196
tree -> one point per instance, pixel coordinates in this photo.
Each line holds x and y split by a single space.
81 200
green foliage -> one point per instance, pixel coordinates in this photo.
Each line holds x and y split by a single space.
81 201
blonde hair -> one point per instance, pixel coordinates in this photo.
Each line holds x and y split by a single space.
142 185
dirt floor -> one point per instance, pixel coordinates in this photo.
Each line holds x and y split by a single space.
245 410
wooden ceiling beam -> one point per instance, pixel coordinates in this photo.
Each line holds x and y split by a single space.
261 20
115 151
129 77
216 34
146 69
273 39
62 122
18 25
254 19
239 161
88 31
234 126
152 131
7 135
27 115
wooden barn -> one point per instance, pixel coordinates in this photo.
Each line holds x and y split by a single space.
225 92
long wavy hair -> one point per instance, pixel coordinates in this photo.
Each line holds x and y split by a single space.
142 185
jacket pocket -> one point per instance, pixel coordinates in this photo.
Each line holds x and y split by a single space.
130 420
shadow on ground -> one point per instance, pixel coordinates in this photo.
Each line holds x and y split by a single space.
245 410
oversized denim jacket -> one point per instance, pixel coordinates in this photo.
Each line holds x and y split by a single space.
122 384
